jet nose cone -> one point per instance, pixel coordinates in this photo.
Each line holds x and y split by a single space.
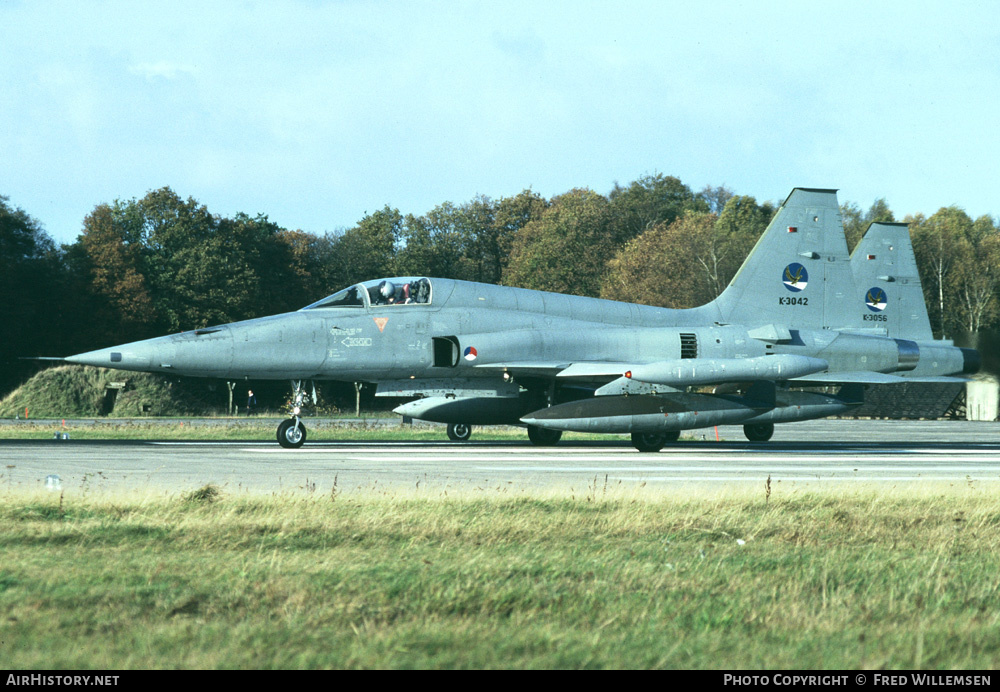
137 356
411 408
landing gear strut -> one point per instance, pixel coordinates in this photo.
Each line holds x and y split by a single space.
292 433
545 437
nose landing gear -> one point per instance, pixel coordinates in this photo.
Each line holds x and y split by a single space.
291 432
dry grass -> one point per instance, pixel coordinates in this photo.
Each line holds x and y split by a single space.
611 578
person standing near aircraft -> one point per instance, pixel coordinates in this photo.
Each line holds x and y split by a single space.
251 401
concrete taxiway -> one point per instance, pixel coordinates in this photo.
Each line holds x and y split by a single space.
805 453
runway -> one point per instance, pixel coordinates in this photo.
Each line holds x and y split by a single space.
865 451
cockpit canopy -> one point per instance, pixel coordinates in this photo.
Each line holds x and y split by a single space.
400 290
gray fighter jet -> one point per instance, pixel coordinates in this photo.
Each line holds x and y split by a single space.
800 313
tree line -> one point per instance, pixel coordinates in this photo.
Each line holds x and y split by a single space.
145 267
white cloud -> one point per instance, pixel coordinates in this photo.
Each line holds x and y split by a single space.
162 69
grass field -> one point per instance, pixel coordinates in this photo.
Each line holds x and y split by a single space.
262 429
879 577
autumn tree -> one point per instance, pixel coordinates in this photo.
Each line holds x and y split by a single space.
660 267
856 222
491 227
255 270
650 200
495 224
316 270
977 277
566 248
163 263
941 246
37 305
690 261
114 255
471 241
737 229
481 259
716 197
369 249
435 244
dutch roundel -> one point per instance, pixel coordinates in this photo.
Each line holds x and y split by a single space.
795 277
470 353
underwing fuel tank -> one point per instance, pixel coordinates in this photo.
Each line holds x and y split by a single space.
470 410
683 373
681 411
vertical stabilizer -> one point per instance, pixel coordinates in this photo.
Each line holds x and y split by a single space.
799 272
885 270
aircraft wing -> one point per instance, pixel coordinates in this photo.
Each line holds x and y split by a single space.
559 368
709 371
863 377
676 373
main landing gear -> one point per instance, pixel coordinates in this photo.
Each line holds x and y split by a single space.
758 432
292 433
459 432
542 437
654 442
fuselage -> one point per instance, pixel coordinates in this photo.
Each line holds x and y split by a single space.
801 311
464 327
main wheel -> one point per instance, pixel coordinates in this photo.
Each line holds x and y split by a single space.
291 436
543 437
459 432
758 432
651 442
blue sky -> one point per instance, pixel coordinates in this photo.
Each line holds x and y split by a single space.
315 113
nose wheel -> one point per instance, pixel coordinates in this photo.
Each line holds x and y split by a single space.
291 433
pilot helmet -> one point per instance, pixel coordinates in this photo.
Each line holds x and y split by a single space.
387 289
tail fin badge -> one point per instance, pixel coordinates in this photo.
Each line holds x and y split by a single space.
795 278
876 299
